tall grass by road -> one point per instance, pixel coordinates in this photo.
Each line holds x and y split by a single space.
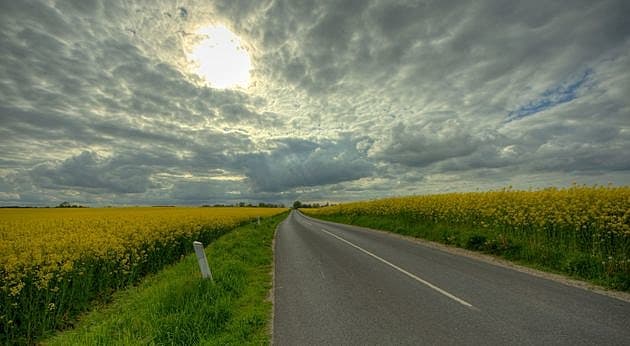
581 231
177 307
56 263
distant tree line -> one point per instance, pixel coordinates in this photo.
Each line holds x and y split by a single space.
19 206
69 205
239 204
298 204
60 205
246 205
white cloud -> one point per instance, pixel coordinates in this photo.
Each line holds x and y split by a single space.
349 100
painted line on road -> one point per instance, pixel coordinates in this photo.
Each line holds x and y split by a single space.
411 275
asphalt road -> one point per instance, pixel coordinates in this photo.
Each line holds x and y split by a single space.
344 285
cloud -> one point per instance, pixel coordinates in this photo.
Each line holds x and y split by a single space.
426 143
208 192
349 100
298 163
89 172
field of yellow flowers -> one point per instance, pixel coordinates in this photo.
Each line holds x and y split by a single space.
583 231
54 263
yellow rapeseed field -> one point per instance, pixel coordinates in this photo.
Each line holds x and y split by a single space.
54 262
602 212
581 230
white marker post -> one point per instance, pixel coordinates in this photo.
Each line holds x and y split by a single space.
203 261
259 221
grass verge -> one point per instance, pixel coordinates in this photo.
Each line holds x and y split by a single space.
539 255
177 307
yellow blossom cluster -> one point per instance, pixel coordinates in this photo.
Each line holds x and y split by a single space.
59 259
594 220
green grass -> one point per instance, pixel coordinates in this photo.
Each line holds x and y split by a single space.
546 256
177 307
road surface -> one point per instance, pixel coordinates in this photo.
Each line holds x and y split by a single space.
345 285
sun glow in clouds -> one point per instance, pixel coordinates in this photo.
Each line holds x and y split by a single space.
220 59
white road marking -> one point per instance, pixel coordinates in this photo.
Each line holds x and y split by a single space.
411 275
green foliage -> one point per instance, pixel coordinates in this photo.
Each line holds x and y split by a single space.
177 307
476 242
93 280
551 254
56 264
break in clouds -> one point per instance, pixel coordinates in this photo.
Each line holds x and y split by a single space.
346 100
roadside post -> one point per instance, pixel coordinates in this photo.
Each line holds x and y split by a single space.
203 261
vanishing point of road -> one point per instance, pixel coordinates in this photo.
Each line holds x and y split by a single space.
344 285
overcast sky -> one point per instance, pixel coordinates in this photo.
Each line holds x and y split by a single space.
347 100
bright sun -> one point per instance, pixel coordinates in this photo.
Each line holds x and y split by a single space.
220 59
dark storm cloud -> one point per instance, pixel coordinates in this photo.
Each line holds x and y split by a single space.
201 192
88 171
296 163
349 99
483 63
419 146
